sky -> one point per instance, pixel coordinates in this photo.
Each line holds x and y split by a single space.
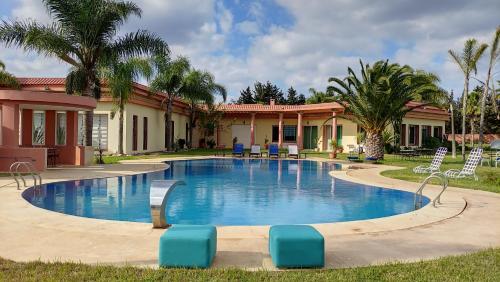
292 42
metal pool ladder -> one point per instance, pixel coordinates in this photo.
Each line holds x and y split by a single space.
158 195
418 201
28 166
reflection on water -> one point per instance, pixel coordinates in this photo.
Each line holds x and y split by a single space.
228 192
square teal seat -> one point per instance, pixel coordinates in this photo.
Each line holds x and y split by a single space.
296 246
190 246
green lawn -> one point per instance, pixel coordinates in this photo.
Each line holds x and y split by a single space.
489 177
481 266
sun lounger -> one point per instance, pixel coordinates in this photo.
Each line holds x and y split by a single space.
469 169
435 164
238 150
274 150
255 151
293 152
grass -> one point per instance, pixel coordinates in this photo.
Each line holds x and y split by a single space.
480 266
489 179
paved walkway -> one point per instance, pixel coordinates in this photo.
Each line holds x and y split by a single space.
466 221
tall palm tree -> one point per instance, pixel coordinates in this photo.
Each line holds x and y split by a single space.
494 54
467 62
377 95
7 79
168 80
473 110
83 34
119 76
199 87
318 97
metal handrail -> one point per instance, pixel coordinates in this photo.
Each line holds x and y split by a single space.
15 173
158 195
418 199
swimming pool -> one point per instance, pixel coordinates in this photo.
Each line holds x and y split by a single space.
228 192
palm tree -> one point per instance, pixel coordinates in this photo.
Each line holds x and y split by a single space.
452 125
119 77
318 97
169 79
473 110
467 62
199 87
494 54
7 79
83 34
380 93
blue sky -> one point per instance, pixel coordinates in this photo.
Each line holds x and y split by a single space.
293 42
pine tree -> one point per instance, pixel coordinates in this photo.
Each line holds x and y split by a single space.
292 98
246 97
301 100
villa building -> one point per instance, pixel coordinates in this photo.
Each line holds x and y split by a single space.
40 117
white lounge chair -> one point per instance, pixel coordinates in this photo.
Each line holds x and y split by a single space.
469 169
435 164
497 158
293 151
255 151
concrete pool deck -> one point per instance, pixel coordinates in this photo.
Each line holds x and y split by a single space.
466 221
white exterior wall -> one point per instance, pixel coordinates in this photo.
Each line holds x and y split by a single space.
421 122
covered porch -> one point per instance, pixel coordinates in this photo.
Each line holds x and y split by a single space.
308 126
42 127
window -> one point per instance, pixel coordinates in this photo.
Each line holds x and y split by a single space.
187 131
426 132
81 129
438 132
276 134
134 133
413 135
339 135
100 131
290 133
38 131
60 128
145 134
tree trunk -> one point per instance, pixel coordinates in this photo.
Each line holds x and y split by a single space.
89 117
464 113
374 145
120 132
483 106
168 125
472 133
453 142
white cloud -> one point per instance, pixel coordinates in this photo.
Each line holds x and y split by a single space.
326 37
248 27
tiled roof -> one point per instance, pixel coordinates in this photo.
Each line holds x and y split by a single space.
41 80
278 108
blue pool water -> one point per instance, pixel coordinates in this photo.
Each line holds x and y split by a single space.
228 192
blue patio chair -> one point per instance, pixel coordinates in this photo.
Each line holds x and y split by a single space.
274 150
238 149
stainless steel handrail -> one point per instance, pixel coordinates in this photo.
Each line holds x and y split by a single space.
158 195
418 199
16 174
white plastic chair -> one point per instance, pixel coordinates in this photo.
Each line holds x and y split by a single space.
255 151
497 158
293 151
435 164
469 169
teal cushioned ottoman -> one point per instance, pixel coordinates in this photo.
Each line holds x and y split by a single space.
191 246
296 246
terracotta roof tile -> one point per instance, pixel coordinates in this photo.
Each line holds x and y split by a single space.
41 80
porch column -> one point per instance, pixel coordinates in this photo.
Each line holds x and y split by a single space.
50 128
280 131
334 126
10 124
252 130
300 141
71 128
27 127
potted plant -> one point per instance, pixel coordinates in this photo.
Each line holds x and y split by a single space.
340 149
334 145
266 143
